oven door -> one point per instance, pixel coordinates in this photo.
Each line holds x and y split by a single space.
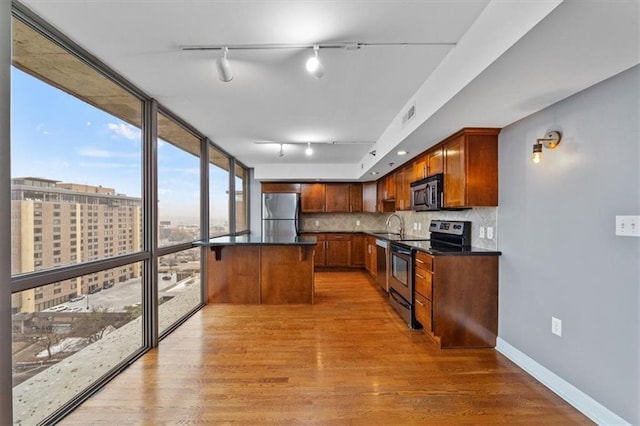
401 271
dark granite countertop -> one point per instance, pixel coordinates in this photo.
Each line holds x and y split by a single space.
448 250
257 240
383 235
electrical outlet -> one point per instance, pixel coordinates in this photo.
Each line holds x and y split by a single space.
556 326
628 226
419 226
317 223
481 232
357 223
490 232
415 226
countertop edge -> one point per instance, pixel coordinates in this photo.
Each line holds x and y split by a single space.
311 242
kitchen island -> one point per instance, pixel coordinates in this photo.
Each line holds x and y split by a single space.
249 269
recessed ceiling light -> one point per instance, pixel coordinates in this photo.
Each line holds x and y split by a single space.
374 173
402 152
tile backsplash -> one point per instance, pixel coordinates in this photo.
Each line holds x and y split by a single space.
479 217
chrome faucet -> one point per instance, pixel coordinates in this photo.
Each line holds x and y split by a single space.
400 223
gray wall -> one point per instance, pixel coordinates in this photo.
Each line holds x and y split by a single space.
5 214
560 254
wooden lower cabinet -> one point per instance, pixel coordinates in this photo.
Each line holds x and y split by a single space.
260 274
338 250
457 299
357 251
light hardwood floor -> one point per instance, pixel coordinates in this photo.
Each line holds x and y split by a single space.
348 359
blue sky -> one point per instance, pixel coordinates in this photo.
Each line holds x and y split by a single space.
57 136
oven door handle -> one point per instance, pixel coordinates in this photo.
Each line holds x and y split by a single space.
398 298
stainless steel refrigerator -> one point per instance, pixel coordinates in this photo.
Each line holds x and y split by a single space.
280 215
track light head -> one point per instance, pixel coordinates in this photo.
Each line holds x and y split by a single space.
308 151
314 66
224 67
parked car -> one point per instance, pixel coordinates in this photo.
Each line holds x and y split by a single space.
76 298
166 277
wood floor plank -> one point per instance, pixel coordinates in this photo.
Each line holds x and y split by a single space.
347 359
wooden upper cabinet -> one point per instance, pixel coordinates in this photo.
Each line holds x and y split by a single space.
370 197
454 178
403 178
271 187
434 161
343 197
356 200
313 197
336 198
471 168
419 168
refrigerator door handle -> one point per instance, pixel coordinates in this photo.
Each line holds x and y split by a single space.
297 216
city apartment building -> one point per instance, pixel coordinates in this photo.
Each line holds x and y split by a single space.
58 224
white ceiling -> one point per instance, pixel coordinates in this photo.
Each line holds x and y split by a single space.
511 59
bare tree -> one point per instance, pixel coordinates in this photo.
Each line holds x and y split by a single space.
45 336
93 325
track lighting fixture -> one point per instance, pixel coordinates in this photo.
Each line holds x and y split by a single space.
314 66
550 141
224 67
308 151
281 153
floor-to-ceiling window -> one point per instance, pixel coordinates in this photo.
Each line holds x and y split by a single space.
76 225
178 159
241 199
109 191
219 165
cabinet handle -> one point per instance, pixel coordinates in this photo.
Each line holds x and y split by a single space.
418 275
419 261
419 302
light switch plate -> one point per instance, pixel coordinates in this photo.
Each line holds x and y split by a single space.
481 234
490 232
628 226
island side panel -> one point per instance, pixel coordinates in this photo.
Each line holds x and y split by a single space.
235 278
287 274
465 312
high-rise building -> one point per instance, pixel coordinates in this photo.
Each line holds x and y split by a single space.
56 224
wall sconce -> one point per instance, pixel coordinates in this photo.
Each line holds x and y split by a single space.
550 141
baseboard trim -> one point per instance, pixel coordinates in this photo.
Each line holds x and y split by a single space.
565 390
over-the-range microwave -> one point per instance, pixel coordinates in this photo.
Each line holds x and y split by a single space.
427 193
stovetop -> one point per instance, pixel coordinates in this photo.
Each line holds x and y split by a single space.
439 248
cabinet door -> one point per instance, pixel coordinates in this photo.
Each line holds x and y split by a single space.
320 258
391 187
419 168
355 197
275 187
434 161
338 250
336 197
312 198
454 173
370 197
357 251
403 190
